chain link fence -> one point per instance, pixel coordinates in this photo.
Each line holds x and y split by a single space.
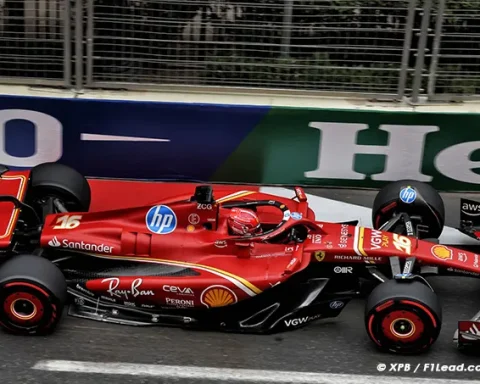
263 44
35 42
455 46
382 48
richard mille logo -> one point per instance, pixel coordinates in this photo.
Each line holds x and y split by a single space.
54 242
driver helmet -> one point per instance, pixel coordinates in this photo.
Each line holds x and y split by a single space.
243 221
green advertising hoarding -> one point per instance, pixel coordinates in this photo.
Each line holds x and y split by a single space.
355 148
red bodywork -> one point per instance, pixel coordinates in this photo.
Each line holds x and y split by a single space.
13 184
229 269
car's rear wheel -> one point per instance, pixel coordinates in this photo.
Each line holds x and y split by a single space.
33 292
419 200
403 317
60 181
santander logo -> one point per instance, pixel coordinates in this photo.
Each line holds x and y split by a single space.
80 245
54 242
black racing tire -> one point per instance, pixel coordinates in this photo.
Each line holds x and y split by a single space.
61 181
428 205
408 304
33 293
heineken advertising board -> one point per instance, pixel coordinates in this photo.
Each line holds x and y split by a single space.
236 143
359 149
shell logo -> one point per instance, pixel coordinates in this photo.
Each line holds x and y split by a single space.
442 252
218 296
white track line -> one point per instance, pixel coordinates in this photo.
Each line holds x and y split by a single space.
226 374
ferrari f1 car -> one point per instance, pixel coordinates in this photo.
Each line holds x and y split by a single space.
174 262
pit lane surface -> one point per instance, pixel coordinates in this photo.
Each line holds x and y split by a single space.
329 346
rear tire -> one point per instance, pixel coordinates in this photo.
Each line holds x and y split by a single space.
33 293
427 204
403 317
61 181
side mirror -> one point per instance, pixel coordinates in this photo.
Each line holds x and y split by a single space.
243 249
299 233
204 194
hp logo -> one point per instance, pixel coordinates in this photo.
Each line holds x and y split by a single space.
161 220
336 304
408 195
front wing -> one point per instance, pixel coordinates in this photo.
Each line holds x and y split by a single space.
467 335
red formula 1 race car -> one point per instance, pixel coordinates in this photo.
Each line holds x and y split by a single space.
175 263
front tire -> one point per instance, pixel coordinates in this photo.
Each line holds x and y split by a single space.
60 181
33 292
426 206
403 317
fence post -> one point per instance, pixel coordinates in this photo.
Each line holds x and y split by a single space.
287 26
89 41
422 45
79 45
407 44
432 76
67 44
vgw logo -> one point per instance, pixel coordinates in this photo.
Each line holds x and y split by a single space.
161 220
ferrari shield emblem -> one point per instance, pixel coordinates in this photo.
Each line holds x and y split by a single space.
319 255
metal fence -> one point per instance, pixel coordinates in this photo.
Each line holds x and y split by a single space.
35 42
391 49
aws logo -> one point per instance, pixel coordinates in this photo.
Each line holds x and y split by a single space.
470 208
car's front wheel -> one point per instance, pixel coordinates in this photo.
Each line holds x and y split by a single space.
403 317
420 201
